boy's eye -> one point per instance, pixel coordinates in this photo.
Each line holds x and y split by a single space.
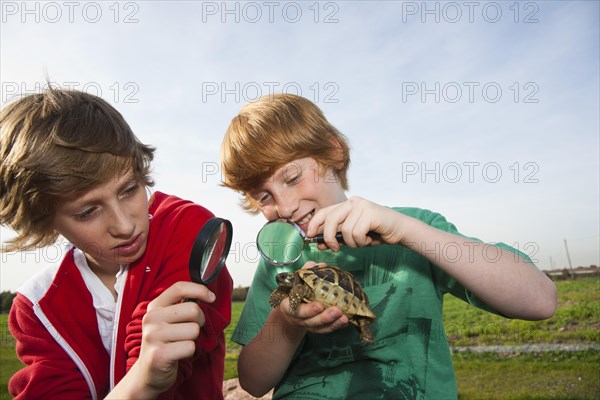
85 214
293 179
264 198
131 189
292 173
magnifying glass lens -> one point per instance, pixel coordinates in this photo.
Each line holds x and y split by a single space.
210 250
213 253
280 242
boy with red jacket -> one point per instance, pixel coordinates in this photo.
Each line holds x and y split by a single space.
108 321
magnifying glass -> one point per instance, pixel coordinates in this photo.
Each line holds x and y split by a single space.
281 241
210 250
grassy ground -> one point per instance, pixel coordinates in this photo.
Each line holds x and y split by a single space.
9 363
233 349
555 375
577 320
545 376
552 375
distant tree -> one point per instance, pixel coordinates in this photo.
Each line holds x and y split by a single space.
239 294
6 299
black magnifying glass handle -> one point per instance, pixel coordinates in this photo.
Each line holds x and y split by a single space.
339 237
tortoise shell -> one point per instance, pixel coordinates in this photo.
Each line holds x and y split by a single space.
335 287
330 286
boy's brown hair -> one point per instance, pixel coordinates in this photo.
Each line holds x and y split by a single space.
275 130
57 145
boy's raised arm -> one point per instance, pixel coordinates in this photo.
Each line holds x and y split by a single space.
506 282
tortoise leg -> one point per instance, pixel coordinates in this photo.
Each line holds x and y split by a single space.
296 297
277 297
366 334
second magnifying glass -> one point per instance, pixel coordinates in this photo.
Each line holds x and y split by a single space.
281 241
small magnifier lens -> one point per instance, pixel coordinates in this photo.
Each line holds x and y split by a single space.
280 242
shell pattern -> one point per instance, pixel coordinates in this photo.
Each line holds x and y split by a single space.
330 286
334 287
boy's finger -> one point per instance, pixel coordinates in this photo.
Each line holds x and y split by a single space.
317 312
322 218
178 350
316 221
305 310
310 264
158 321
183 312
327 321
180 332
180 291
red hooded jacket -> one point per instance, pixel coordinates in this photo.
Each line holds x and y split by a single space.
54 321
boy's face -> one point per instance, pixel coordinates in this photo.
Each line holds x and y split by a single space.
108 223
297 190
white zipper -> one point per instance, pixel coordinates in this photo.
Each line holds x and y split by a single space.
113 347
67 348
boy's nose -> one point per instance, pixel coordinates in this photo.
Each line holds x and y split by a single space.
286 208
122 224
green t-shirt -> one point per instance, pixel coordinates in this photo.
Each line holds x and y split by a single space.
410 358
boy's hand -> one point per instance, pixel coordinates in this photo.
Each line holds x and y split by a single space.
355 218
169 331
314 317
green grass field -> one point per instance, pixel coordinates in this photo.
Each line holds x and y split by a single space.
554 375
577 320
9 363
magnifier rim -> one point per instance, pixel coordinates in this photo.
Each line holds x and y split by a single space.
295 225
199 246
275 262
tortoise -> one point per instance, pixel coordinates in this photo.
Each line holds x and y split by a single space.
330 286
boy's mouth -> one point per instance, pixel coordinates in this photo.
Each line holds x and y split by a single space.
303 223
130 247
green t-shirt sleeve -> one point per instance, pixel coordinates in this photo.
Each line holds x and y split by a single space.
255 311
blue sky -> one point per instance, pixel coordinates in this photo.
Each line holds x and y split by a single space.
486 112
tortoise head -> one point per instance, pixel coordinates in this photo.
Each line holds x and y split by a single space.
285 279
